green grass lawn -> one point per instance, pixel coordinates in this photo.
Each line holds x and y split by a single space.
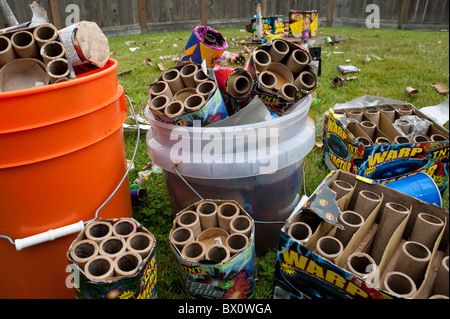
399 59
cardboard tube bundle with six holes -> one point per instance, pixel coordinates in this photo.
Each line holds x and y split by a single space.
114 253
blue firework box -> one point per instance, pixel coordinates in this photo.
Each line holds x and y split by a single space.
344 147
207 279
301 273
140 285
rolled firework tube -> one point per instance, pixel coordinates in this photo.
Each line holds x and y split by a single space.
141 243
300 231
369 128
341 188
403 111
200 76
404 126
98 231
139 194
58 69
124 228
329 248
401 140
420 139
241 224
51 51
213 236
373 116
305 81
383 141
236 243
181 236
173 78
239 84
99 268
288 92
413 260
112 247
182 95
438 138
337 81
426 230
267 80
174 109
399 284
278 50
438 297
366 203
362 265
262 60
194 251
357 115
389 112
392 216
159 103
45 33
218 253
194 103
205 88
7 53
440 285
364 141
190 219
297 61
127 264
207 211
24 45
161 88
225 213
187 75
352 221
82 251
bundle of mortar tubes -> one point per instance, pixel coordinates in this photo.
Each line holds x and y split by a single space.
409 270
284 69
180 90
212 233
108 250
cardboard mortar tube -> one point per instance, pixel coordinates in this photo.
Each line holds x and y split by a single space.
239 85
127 264
366 203
174 109
112 247
426 229
389 111
161 88
438 138
7 53
362 265
288 91
225 213
420 139
187 75
213 236
329 248
383 141
181 236
391 217
365 141
99 268
241 224
351 221
194 251
369 128
262 60
357 115
278 50
399 285
82 251
440 285
194 103
405 111
373 116
98 231
45 33
190 219
141 243
52 50
173 78
297 61
218 253
401 140
300 232
159 103
24 45
200 77
205 88
236 243
413 261
267 80
341 188
207 212
306 81
124 228
58 69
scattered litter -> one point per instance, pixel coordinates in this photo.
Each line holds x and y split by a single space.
411 90
134 49
130 42
124 72
148 62
140 119
175 45
367 59
161 67
173 57
441 88
344 69
340 81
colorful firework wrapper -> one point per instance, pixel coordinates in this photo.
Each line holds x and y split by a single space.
141 285
300 273
384 163
205 43
232 279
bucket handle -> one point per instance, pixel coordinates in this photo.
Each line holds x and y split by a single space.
79 226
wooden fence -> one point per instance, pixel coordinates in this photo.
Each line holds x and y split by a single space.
119 17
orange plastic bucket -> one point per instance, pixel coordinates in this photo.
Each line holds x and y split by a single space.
62 155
